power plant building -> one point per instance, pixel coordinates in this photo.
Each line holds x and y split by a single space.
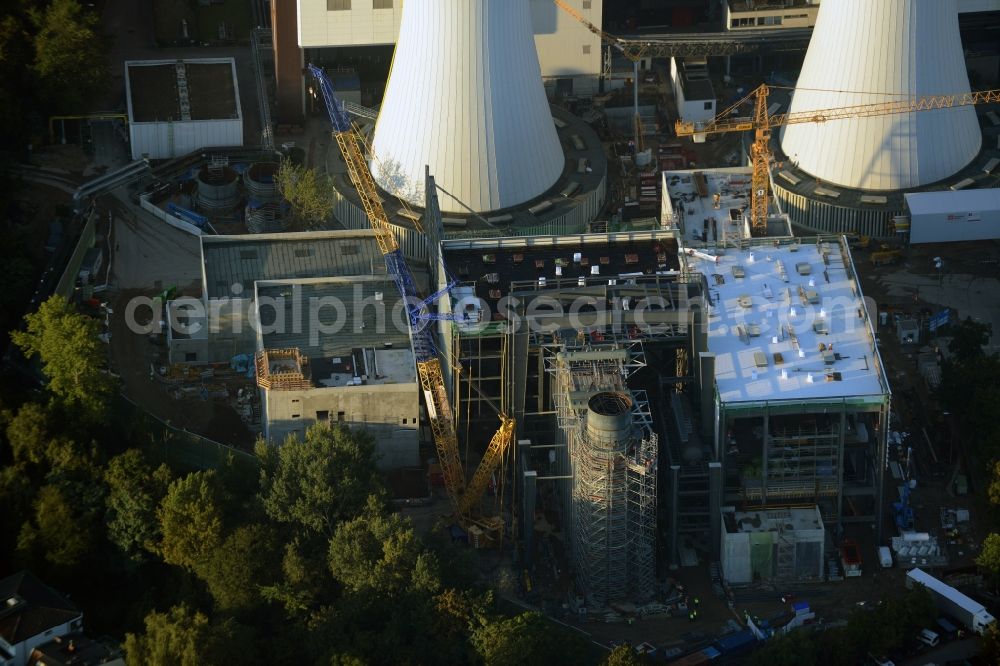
317 323
179 106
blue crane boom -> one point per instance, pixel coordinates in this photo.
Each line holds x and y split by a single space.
463 497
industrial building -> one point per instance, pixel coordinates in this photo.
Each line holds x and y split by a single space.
589 449
329 31
693 91
791 391
779 544
770 14
351 363
178 106
850 174
706 370
965 215
322 320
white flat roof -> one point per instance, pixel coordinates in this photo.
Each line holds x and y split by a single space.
796 301
963 201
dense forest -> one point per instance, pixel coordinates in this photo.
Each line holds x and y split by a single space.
293 558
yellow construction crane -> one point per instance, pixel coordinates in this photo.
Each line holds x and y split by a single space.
761 123
465 498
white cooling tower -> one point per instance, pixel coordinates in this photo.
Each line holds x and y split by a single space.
465 97
864 47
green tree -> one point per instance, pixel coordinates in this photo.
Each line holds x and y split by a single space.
70 56
28 433
191 520
247 561
989 556
184 637
16 84
309 193
968 339
57 533
72 356
625 655
792 649
989 645
526 639
304 583
135 490
318 482
380 555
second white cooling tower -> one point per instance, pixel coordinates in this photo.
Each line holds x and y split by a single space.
465 97
865 49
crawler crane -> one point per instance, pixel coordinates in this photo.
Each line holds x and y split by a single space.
465 497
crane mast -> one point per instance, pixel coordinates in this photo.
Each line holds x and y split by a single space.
428 366
464 498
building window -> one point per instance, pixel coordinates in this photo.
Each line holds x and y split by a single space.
341 417
191 357
586 4
382 4
338 5
586 49
708 106
323 416
295 416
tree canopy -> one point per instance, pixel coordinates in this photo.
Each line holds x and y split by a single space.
70 55
191 520
73 359
320 481
135 490
310 194
53 60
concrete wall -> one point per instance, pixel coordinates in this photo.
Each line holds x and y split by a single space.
692 110
566 49
389 412
559 38
163 140
361 25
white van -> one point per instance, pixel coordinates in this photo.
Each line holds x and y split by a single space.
928 638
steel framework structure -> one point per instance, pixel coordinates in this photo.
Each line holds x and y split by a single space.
613 498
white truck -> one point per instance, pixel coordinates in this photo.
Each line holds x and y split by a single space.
967 611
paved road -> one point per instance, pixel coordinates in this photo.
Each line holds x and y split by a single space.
942 654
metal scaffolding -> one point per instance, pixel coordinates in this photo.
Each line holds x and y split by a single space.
613 457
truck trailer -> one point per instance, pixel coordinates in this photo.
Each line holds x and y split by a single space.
969 612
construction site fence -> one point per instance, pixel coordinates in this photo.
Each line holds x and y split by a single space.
181 448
